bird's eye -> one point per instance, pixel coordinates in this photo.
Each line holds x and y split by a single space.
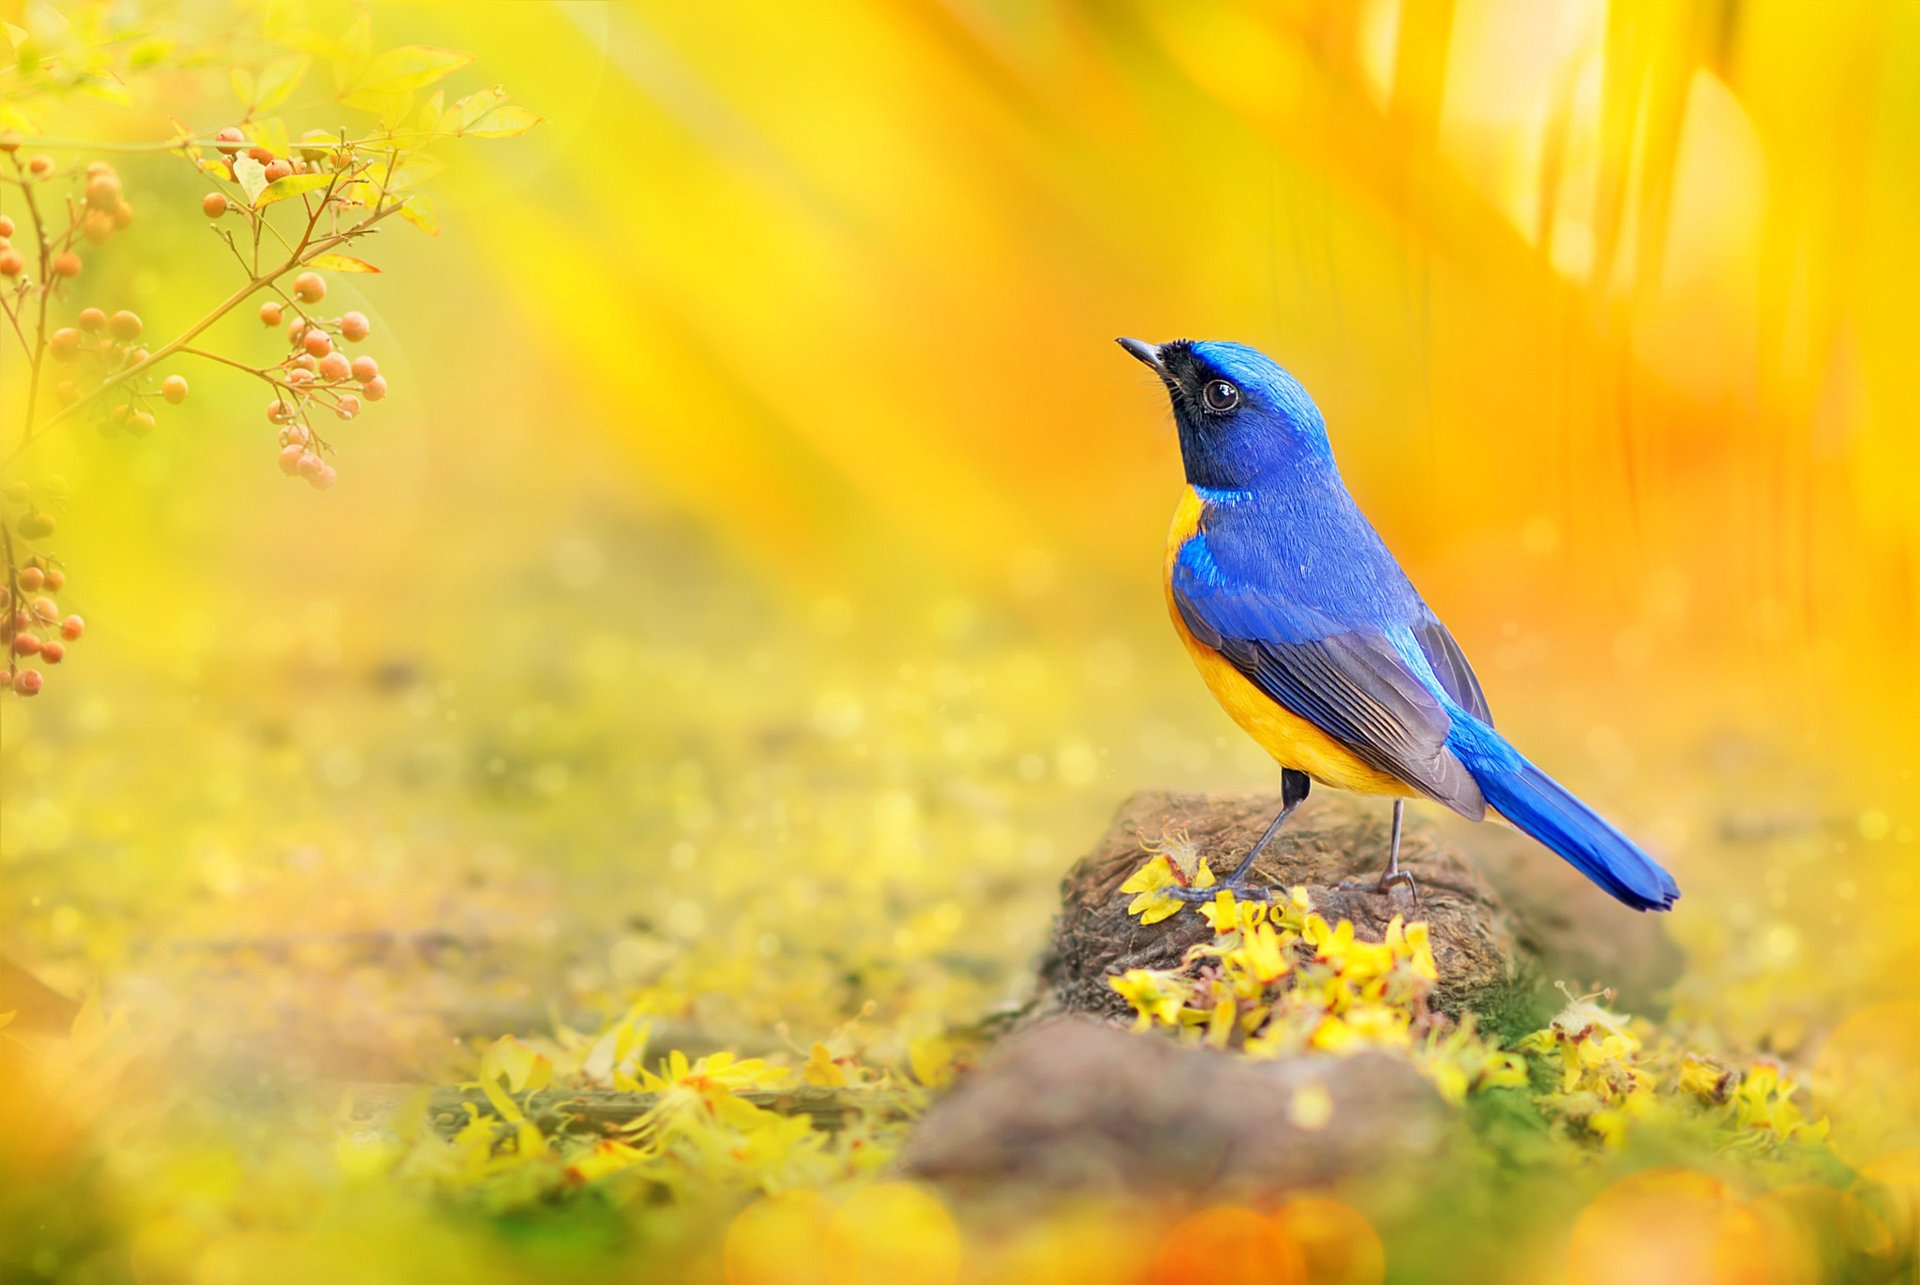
1220 396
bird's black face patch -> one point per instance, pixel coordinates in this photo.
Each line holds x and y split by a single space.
1196 387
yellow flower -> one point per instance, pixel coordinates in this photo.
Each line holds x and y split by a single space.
1181 852
1226 913
1704 1080
1763 1101
1220 1023
1262 954
1152 881
1156 995
821 1069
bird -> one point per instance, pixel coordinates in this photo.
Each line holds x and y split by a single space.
1316 643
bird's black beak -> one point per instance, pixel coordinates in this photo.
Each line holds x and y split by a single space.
1146 353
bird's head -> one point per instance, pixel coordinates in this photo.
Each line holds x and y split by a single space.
1243 420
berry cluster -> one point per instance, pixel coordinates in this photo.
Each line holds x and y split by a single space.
32 624
101 345
316 375
95 212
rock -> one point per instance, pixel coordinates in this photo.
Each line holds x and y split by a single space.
1070 1104
1508 918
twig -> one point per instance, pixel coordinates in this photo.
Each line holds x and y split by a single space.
307 250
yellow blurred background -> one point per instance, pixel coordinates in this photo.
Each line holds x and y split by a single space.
749 593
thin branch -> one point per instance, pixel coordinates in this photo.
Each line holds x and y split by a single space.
307 249
38 350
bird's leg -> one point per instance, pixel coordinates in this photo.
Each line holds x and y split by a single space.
1393 874
1293 789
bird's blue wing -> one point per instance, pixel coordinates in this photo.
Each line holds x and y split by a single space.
1347 681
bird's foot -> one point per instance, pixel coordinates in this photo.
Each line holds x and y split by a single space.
1241 889
1384 885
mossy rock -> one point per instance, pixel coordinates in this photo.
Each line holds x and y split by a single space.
1507 918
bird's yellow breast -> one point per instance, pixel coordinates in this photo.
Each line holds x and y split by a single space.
1292 740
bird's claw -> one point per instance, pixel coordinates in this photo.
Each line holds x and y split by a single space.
1240 888
1384 885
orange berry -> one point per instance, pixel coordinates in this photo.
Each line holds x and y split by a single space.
36 526
309 287
39 165
52 652
261 154
31 578
45 608
354 327
125 325
290 457
66 391
300 374
230 140
26 645
322 478
349 406
305 361
335 366
66 264
141 422
64 343
97 226
27 682
317 342
56 580
213 205
309 464
122 215
72 627
6 226
269 313
375 389
91 319
11 262
277 169
137 355
174 389
365 369
279 412
103 192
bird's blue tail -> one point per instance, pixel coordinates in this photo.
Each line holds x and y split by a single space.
1541 807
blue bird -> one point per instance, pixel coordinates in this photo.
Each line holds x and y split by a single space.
1315 642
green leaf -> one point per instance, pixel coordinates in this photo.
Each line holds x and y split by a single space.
292 185
408 68
475 105
340 263
355 51
252 176
422 213
278 80
411 172
504 122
